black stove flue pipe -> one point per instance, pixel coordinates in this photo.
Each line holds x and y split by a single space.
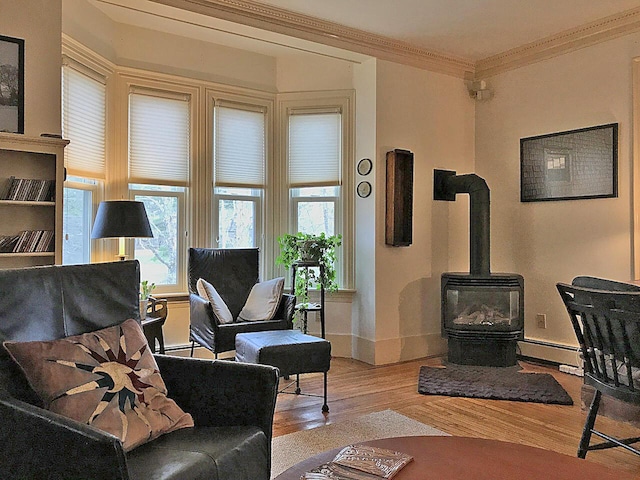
446 184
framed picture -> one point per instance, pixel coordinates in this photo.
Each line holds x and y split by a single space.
11 85
570 165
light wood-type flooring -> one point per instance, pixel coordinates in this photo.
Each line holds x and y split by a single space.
356 388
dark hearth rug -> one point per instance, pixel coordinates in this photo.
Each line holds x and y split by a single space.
492 382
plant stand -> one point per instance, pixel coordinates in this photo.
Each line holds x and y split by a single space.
311 307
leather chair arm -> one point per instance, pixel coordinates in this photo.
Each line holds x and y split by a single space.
201 312
37 443
288 306
222 393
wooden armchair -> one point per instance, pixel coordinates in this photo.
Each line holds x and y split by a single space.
606 321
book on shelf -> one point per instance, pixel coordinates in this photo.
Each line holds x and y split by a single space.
27 189
27 241
8 243
361 462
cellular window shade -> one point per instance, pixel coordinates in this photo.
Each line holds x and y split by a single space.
314 149
158 140
239 146
83 123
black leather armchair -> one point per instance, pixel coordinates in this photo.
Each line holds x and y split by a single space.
233 272
232 404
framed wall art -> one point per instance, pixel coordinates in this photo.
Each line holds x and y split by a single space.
570 165
11 85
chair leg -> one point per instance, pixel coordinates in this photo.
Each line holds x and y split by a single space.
193 346
298 384
583 448
325 407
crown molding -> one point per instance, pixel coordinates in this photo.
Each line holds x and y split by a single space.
254 14
607 28
286 22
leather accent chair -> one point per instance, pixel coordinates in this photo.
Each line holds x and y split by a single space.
232 405
233 272
605 315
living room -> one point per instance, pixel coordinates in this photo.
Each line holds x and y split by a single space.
389 311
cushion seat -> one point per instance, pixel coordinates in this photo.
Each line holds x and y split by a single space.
195 453
291 351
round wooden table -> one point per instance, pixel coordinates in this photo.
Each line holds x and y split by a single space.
451 458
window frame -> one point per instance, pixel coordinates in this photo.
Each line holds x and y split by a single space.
321 102
264 224
96 68
181 196
96 192
257 200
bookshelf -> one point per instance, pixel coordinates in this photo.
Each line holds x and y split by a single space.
31 192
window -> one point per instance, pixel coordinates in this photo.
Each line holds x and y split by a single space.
315 162
78 216
239 175
84 123
160 256
159 153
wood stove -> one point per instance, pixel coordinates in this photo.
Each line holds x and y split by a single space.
482 313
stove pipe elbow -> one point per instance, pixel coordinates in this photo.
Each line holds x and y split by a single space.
446 186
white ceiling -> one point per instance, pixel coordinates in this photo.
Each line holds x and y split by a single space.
468 29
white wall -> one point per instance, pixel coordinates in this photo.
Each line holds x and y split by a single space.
39 23
431 115
307 72
549 242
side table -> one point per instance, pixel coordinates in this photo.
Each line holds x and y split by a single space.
153 322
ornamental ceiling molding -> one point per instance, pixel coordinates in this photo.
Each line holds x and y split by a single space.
286 22
607 28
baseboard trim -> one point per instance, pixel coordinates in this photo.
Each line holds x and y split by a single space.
556 353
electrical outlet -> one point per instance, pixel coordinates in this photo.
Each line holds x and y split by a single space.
541 318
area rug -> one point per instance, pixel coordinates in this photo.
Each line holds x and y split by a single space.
493 383
287 450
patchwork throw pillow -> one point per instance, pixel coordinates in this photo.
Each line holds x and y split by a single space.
208 291
107 378
263 300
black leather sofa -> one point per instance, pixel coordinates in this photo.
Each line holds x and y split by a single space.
232 404
233 272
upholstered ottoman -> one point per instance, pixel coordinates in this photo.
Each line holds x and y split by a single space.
291 351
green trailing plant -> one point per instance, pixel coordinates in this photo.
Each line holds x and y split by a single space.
305 247
146 289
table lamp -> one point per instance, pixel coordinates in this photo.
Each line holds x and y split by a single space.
121 219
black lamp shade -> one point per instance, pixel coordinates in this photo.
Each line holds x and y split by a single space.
121 218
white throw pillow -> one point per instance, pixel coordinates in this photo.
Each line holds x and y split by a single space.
208 291
263 300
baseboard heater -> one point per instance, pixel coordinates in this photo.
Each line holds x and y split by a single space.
550 344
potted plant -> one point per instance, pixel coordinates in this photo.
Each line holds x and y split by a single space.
305 247
145 292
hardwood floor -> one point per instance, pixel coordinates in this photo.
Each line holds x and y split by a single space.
356 388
